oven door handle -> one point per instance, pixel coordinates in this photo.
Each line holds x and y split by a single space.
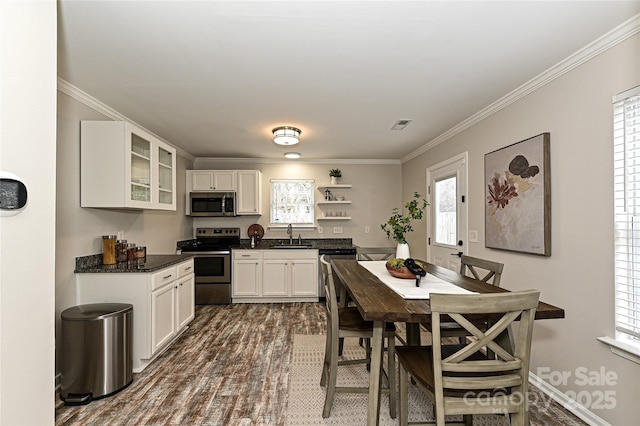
207 253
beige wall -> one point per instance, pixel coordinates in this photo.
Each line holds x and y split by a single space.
79 230
375 191
576 109
27 149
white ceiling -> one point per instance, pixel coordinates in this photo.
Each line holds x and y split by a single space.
214 77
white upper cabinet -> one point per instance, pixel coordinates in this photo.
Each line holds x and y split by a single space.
124 166
213 180
224 180
201 180
249 192
247 184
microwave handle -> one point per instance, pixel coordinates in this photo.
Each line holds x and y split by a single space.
224 196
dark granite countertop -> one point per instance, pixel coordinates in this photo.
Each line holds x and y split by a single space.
151 263
314 244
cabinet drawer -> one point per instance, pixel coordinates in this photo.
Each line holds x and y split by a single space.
163 277
185 268
246 255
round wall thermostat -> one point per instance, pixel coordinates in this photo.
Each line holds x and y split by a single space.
13 194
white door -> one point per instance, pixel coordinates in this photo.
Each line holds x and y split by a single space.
447 219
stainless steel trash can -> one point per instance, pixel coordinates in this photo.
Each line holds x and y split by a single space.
96 351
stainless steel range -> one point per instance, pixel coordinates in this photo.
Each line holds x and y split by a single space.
212 264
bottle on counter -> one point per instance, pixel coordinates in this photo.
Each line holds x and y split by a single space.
109 249
253 241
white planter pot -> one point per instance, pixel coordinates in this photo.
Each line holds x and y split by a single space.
334 180
402 251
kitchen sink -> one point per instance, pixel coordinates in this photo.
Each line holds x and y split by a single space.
292 246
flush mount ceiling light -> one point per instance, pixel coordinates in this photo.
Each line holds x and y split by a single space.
292 155
285 135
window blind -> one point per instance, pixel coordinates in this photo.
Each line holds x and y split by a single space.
626 137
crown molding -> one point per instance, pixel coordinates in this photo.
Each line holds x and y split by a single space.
619 34
93 103
312 161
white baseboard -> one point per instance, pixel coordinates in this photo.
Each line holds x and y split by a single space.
569 404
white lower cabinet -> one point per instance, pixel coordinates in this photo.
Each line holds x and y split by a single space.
275 275
163 304
246 273
185 305
304 277
163 321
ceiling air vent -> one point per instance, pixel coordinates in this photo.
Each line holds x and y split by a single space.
401 124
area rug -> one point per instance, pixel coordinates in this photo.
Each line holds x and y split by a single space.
306 396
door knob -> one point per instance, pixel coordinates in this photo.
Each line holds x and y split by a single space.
459 254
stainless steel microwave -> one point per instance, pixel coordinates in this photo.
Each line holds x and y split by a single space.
214 204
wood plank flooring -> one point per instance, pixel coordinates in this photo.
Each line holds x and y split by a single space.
231 367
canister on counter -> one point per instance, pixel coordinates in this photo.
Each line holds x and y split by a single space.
121 250
109 249
131 252
141 252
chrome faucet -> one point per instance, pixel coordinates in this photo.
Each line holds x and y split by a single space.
290 233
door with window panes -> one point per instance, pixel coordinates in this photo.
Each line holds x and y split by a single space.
447 227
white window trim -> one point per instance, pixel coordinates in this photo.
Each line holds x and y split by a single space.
623 344
296 225
621 348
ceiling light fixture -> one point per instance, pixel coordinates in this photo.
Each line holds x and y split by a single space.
292 155
285 135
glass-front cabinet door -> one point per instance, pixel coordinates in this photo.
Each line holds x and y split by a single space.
124 166
140 169
166 176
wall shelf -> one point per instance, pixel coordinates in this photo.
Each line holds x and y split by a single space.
324 204
339 186
320 203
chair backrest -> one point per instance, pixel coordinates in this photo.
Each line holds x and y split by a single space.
477 266
330 291
500 381
375 253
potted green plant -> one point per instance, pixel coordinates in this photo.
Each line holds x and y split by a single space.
398 225
335 174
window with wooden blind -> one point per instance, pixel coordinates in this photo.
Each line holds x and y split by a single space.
626 140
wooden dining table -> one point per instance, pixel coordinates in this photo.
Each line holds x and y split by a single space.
377 302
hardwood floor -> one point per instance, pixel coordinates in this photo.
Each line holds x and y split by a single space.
231 367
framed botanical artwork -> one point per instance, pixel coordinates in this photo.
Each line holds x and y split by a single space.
518 197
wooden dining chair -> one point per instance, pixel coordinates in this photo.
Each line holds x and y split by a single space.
461 379
375 253
481 269
347 322
491 271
